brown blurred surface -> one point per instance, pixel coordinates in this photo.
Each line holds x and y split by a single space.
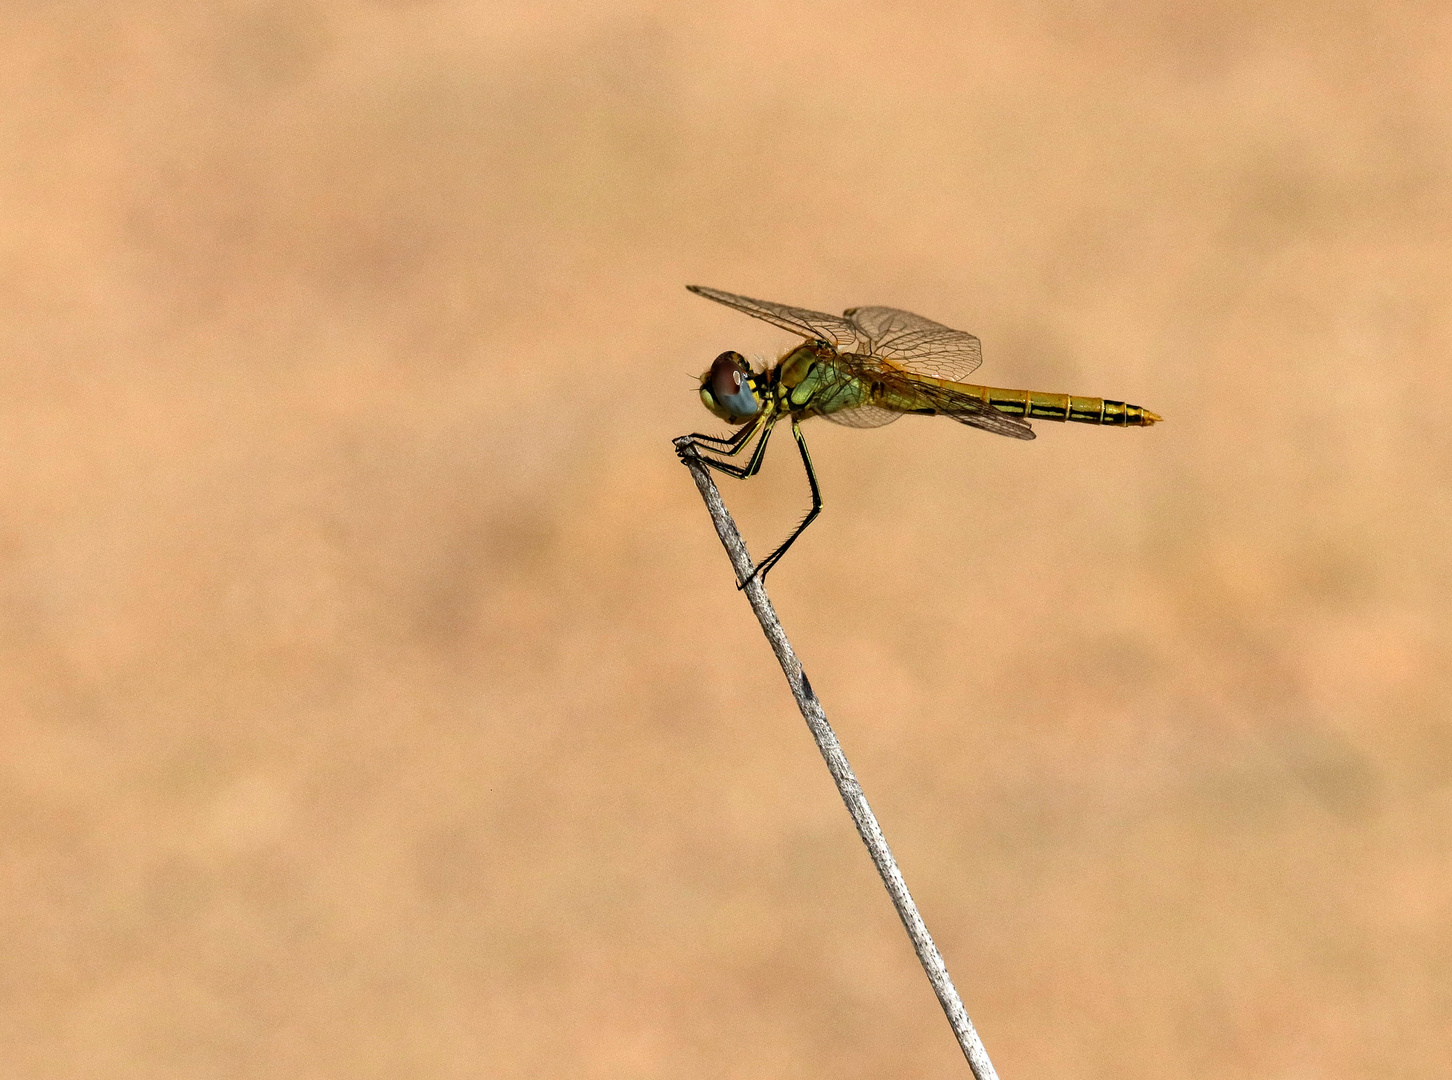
377 701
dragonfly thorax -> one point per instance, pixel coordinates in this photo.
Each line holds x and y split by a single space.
729 390
793 368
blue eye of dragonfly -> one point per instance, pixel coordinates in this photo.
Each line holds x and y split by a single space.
728 387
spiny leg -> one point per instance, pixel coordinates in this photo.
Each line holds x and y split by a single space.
731 445
752 467
771 560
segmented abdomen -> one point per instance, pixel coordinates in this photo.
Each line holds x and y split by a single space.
1036 405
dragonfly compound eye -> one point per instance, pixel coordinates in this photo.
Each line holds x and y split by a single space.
726 389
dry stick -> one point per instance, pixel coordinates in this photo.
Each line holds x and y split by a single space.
851 790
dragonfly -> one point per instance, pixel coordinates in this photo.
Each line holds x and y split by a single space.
863 369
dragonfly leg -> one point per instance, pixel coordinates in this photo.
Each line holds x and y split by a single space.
772 559
729 446
752 467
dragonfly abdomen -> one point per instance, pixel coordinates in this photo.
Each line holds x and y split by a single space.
1037 405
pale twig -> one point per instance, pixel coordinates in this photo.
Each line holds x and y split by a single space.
847 784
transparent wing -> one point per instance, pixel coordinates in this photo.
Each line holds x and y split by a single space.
987 418
917 344
899 392
975 412
864 416
815 325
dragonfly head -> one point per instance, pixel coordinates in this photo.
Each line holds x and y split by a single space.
726 389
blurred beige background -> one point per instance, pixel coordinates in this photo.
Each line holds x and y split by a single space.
376 699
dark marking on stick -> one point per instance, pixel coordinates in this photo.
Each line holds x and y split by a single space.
807 691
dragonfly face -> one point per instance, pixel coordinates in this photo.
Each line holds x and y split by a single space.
727 389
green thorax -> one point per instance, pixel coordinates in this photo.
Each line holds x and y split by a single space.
813 380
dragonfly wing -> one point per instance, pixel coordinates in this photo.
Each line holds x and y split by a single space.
816 325
919 395
917 344
975 412
864 416
898 391
990 419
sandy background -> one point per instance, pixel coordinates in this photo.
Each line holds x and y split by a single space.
376 701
